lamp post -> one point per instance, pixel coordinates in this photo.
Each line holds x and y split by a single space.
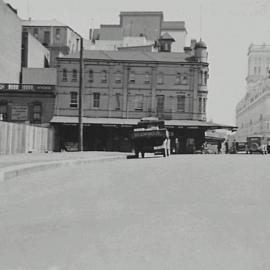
81 87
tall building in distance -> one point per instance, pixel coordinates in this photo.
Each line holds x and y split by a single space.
57 37
253 110
139 29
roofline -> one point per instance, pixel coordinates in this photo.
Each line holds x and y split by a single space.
65 26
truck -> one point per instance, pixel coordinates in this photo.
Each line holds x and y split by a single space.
151 136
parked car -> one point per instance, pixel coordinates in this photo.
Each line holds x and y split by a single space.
256 144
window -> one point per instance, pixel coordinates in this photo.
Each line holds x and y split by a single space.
35 32
74 75
200 105
255 70
204 105
3 110
47 39
73 99
64 75
104 76
205 78
181 100
160 79
117 101
96 100
160 103
185 79
90 76
118 77
57 34
147 78
36 113
138 103
178 78
131 77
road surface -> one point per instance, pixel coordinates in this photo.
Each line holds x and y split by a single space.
183 212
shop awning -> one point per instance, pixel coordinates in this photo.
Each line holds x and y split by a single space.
70 120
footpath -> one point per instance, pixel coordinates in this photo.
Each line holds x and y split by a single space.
22 164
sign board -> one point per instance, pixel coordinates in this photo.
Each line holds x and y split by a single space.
19 112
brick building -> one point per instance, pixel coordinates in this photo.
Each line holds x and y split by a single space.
122 87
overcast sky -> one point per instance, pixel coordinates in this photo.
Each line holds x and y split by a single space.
228 28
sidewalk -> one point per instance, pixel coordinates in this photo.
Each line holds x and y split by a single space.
20 164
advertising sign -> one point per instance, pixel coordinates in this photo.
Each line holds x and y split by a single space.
19 112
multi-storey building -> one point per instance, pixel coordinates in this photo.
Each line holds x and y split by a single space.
10 44
122 87
139 29
59 38
253 110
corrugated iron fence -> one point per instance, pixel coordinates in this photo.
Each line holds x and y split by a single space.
21 138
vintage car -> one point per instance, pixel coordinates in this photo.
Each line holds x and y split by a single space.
256 144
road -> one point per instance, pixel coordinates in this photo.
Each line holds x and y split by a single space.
182 212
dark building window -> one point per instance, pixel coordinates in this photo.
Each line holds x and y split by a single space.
118 77
73 99
160 103
147 78
74 75
47 38
64 75
178 78
35 33
160 78
104 76
90 76
204 105
181 101
96 100
57 34
138 102
36 112
200 105
3 110
117 101
132 77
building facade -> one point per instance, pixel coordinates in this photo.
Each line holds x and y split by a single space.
139 29
58 38
122 87
27 103
10 44
253 110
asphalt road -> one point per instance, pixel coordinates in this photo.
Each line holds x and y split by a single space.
183 212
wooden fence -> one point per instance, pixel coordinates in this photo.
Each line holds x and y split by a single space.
22 138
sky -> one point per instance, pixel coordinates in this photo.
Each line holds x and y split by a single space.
228 28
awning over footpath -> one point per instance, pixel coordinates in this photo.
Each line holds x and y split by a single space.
70 120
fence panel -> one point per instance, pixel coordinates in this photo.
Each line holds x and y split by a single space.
21 138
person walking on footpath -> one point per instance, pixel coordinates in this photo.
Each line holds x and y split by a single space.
219 147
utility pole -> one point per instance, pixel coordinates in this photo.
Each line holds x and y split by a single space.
81 88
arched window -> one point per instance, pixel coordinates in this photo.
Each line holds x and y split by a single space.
90 76
36 112
64 75
74 75
3 110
